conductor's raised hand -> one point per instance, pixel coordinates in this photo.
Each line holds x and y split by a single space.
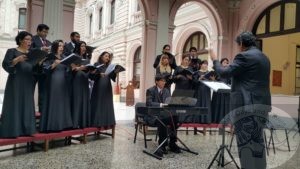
213 55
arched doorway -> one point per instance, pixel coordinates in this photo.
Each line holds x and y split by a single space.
278 28
137 67
198 40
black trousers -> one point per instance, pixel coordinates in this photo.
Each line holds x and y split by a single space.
250 141
171 125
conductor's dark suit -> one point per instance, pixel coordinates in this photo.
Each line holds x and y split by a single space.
40 77
250 72
154 98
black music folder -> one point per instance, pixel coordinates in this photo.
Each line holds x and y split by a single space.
114 68
186 72
91 67
72 58
35 56
209 74
85 62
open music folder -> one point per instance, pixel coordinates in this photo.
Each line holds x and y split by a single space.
35 56
72 58
217 86
114 68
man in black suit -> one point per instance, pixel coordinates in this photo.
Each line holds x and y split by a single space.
69 47
250 99
195 61
156 96
39 41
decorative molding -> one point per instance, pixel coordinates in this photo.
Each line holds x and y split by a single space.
99 4
234 3
121 3
89 11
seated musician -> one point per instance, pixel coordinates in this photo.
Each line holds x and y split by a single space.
156 96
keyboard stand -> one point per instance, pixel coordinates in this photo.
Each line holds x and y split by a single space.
167 138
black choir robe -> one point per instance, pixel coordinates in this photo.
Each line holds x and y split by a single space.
81 109
102 107
56 114
18 114
203 95
182 82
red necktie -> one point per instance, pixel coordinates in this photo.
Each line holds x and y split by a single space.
44 42
161 99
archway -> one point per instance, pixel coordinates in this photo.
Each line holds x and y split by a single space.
278 28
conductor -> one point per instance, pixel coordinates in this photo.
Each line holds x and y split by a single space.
250 72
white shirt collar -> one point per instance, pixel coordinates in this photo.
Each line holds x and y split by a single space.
73 44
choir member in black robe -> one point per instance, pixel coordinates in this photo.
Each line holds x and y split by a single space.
102 107
81 113
220 101
18 114
166 50
183 81
203 93
56 114
164 69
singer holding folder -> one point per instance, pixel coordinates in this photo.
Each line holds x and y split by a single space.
102 106
183 75
81 113
56 114
17 117
250 72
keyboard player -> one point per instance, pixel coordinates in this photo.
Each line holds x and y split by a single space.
156 97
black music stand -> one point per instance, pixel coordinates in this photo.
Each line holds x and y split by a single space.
153 154
220 87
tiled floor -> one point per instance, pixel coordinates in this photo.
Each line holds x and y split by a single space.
121 153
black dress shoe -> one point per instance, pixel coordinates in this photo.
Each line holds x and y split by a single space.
174 148
159 153
164 150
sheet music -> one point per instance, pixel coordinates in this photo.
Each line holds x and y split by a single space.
110 68
215 86
68 57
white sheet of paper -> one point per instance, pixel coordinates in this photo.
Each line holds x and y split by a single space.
215 86
110 68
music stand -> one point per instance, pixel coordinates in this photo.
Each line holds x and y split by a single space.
220 87
153 154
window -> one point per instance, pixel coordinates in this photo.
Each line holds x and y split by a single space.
91 24
138 8
22 18
137 67
100 18
280 18
112 12
199 41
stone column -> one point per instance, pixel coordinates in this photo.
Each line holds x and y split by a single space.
162 36
53 17
148 57
233 24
